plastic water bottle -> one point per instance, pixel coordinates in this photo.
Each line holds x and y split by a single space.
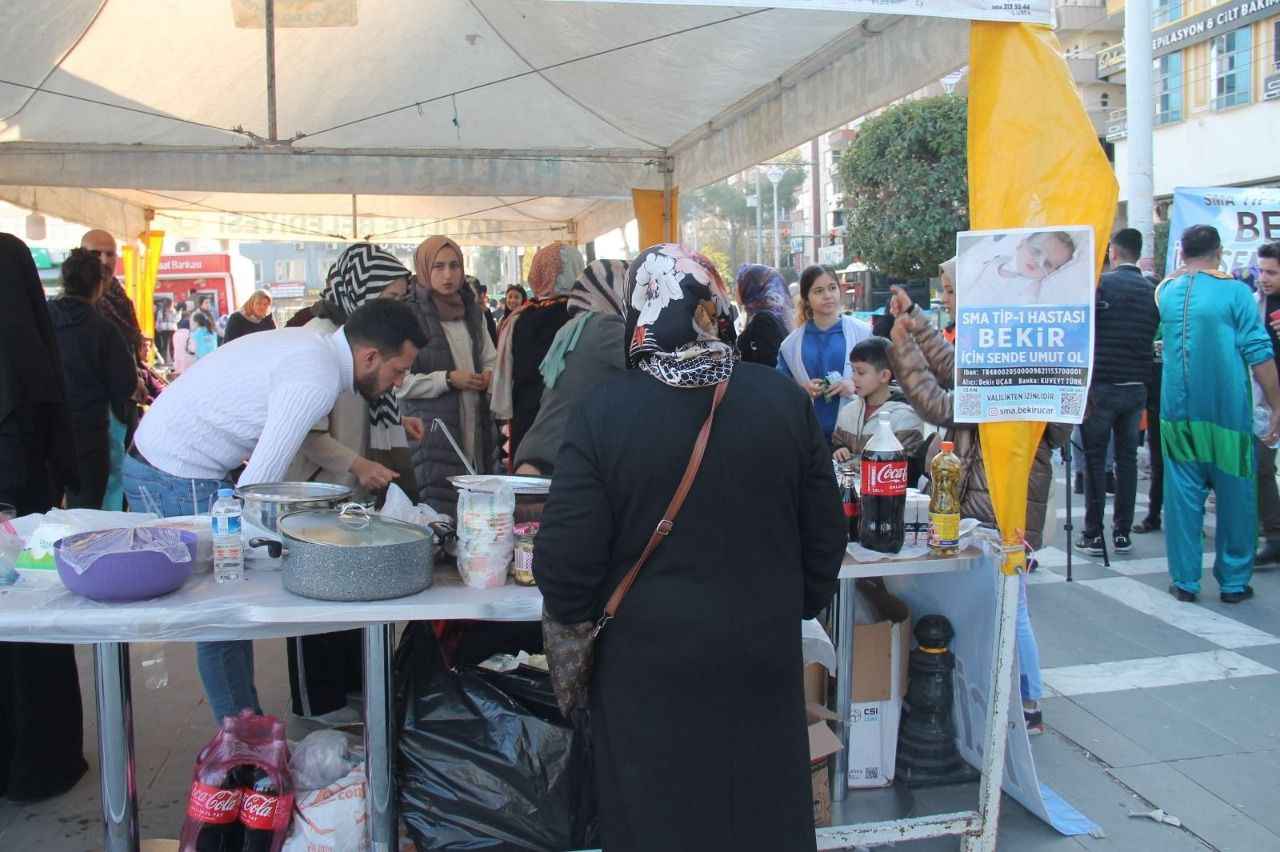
228 547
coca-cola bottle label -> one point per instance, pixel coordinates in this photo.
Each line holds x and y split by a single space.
884 478
213 805
258 811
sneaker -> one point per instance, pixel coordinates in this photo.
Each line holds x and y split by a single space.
1150 525
1182 594
1091 544
1035 722
1122 543
1269 554
1236 597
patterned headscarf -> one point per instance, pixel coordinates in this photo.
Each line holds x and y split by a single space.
683 326
554 269
600 289
551 275
359 274
761 289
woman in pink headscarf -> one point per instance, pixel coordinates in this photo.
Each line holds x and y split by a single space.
526 337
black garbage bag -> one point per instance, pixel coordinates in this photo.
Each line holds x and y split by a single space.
486 760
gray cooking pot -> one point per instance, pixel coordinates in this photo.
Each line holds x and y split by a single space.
267 502
349 555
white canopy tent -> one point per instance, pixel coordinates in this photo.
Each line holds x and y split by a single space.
495 121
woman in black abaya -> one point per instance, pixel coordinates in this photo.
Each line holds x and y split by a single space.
41 722
697 705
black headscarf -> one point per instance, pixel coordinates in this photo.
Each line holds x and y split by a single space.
30 366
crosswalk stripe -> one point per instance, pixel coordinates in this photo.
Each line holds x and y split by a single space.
1196 620
1151 672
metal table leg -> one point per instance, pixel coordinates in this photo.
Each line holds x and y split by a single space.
115 747
379 737
844 688
995 742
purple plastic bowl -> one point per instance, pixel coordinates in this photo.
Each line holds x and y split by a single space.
123 577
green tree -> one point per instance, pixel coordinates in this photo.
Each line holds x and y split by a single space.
723 205
487 266
906 185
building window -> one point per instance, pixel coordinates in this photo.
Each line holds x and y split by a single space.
282 270
1232 68
258 278
1104 100
1275 46
1168 75
1164 11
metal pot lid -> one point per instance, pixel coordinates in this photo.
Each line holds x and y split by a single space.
293 492
350 526
489 483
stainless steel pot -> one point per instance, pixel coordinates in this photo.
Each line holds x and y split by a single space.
267 502
349 555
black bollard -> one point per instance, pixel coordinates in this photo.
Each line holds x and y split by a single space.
927 754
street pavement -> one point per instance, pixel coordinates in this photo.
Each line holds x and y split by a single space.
1150 704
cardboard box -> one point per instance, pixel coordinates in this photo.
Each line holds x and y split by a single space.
879 683
822 744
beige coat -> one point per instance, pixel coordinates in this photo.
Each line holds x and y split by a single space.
925 368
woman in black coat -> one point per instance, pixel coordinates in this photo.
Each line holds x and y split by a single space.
697 703
99 374
41 724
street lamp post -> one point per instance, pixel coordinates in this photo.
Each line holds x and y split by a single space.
774 174
759 227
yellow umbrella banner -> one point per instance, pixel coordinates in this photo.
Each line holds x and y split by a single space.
1034 160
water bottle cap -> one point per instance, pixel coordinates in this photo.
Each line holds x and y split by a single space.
226 492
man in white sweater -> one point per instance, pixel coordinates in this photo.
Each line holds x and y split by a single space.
252 402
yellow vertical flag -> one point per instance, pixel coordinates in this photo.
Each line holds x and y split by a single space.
146 306
648 204
129 259
1034 160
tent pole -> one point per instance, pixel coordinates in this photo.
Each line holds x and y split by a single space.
355 227
270 27
1140 116
667 236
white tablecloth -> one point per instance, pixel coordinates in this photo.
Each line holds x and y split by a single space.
257 608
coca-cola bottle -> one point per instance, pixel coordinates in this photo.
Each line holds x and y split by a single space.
884 492
847 479
213 812
266 807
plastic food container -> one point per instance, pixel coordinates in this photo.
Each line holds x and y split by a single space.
125 565
486 537
522 566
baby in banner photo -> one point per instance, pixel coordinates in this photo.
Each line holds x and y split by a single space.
1018 269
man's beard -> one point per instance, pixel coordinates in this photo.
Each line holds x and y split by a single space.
367 386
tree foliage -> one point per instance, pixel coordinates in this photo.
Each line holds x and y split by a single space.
905 179
486 265
723 206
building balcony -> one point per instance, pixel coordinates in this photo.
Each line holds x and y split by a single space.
1087 16
841 139
1084 69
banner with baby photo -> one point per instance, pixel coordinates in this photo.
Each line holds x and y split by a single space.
1024 324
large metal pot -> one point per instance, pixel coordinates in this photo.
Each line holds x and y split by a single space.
349 555
267 502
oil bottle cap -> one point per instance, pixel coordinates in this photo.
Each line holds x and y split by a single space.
948 446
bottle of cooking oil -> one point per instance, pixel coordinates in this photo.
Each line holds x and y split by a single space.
944 502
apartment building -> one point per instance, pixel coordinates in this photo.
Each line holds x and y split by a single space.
1217 98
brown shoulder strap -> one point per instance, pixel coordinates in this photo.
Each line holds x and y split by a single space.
668 518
